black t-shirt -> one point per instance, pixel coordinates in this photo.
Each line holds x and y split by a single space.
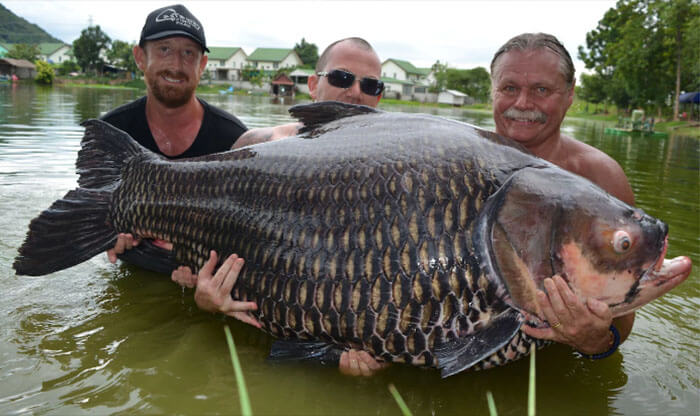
218 132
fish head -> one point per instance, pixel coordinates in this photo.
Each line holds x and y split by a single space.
546 221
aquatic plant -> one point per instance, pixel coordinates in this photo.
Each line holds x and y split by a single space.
246 410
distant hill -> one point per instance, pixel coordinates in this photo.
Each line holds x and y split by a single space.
14 29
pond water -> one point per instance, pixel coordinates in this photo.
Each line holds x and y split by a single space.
101 338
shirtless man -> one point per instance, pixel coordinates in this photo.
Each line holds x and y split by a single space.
532 78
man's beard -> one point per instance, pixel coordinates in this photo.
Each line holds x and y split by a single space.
171 96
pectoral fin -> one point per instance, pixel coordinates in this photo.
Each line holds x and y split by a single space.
321 352
461 353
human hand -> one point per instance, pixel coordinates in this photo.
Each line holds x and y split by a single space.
213 294
359 363
585 327
124 242
183 276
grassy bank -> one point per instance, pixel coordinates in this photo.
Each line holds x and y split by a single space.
683 128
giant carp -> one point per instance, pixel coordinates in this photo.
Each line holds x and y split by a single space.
417 238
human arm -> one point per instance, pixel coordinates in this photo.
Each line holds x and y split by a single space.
584 326
266 134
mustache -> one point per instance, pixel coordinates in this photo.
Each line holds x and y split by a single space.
530 115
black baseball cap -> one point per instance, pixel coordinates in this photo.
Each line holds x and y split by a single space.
170 21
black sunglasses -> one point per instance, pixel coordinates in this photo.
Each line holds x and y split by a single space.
344 79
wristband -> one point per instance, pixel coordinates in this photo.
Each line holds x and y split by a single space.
610 351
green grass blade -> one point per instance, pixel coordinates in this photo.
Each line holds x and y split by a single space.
242 391
399 400
531 388
492 404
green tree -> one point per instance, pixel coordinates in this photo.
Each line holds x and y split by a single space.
638 50
474 82
88 46
690 76
122 56
440 73
251 74
308 52
66 67
23 51
678 16
44 72
477 84
592 89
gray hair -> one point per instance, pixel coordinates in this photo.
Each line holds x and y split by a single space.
359 42
533 41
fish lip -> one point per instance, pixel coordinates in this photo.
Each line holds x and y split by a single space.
669 270
653 273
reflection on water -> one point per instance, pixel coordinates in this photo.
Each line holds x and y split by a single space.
100 338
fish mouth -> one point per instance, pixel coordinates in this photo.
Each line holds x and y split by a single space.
664 275
665 269
673 270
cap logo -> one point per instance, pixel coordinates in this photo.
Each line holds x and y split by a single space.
177 18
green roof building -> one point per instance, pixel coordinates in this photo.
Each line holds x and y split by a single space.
225 63
404 70
54 53
274 58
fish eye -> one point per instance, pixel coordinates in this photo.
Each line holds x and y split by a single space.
621 241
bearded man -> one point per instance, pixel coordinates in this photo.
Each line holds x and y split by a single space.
170 119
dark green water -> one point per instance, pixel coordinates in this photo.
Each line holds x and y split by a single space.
101 338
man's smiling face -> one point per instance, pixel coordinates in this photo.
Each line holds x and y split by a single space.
530 96
172 68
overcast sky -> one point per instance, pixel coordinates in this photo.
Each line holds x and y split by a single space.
465 34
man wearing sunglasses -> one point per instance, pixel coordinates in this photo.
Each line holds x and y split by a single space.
347 71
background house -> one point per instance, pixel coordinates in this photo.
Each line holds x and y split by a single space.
404 70
300 76
225 63
397 88
454 97
20 67
282 85
272 59
405 81
55 53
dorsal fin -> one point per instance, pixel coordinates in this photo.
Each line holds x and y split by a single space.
315 115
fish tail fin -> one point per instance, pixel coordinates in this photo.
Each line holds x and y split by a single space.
72 230
104 150
78 226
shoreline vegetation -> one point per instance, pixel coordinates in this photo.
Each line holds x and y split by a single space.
580 109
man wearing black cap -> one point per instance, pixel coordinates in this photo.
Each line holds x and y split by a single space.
170 119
